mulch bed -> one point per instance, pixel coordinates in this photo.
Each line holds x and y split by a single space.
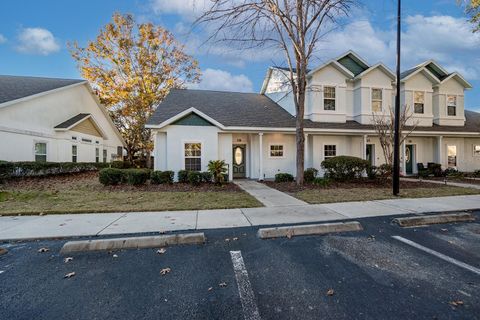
291 187
89 181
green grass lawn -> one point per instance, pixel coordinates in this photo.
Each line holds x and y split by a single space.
83 194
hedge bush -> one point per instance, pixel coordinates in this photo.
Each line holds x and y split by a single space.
207 177
136 176
194 177
36 169
322 182
182 176
121 164
385 170
111 176
161 177
310 174
342 168
283 177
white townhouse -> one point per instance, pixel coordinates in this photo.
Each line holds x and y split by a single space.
54 120
255 133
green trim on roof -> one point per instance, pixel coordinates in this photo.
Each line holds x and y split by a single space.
352 64
192 119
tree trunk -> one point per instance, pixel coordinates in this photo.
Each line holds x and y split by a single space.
300 136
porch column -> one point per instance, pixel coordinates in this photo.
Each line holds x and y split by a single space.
440 150
305 160
260 162
364 147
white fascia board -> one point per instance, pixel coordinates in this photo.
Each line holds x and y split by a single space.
266 80
430 76
459 77
183 114
337 66
380 65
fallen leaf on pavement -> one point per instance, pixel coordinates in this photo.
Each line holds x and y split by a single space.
165 271
456 303
161 251
235 239
69 275
43 250
227 239
67 259
222 284
330 292
289 234
444 230
210 289
115 256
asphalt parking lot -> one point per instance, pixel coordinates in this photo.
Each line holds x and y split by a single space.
357 275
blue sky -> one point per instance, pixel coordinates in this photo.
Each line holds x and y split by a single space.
33 37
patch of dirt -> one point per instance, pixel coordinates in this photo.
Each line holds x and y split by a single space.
89 181
291 187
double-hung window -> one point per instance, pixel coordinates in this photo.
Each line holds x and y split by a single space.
476 150
104 156
376 100
74 153
452 105
97 155
418 102
193 156
40 152
329 151
276 151
329 98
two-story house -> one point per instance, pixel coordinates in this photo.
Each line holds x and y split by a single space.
255 133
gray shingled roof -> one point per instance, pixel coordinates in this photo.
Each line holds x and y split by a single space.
16 87
68 123
235 109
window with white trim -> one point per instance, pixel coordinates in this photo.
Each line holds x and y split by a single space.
476 150
452 105
419 102
376 100
329 98
97 155
329 151
104 155
193 156
40 152
276 151
74 153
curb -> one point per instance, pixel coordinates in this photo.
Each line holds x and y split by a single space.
434 219
309 229
133 242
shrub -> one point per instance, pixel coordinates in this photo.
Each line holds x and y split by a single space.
207 176
283 177
385 170
423 173
453 173
182 176
121 164
161 177
322 182
136 176
435 169
372 172
194 178
309 175
476 173
218 169
343 168
37 169
111 176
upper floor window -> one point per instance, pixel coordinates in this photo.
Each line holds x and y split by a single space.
452 105
418 101
329 98
376 100
193 156
40 152
74 153
329 151
276 151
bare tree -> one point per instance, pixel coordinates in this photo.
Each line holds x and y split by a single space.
384 127
294 26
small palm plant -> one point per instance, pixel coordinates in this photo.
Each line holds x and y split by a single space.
218 169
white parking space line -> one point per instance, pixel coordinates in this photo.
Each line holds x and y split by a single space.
250 309
438 255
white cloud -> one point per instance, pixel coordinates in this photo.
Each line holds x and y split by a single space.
188 9
221 80
37 41
2 39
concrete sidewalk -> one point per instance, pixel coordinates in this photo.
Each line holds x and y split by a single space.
71 225
448 183
268 196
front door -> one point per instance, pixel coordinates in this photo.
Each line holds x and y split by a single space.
239 161
371 154
409 155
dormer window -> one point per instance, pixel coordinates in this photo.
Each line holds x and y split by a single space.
376 100
418 102
452 105
329 98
